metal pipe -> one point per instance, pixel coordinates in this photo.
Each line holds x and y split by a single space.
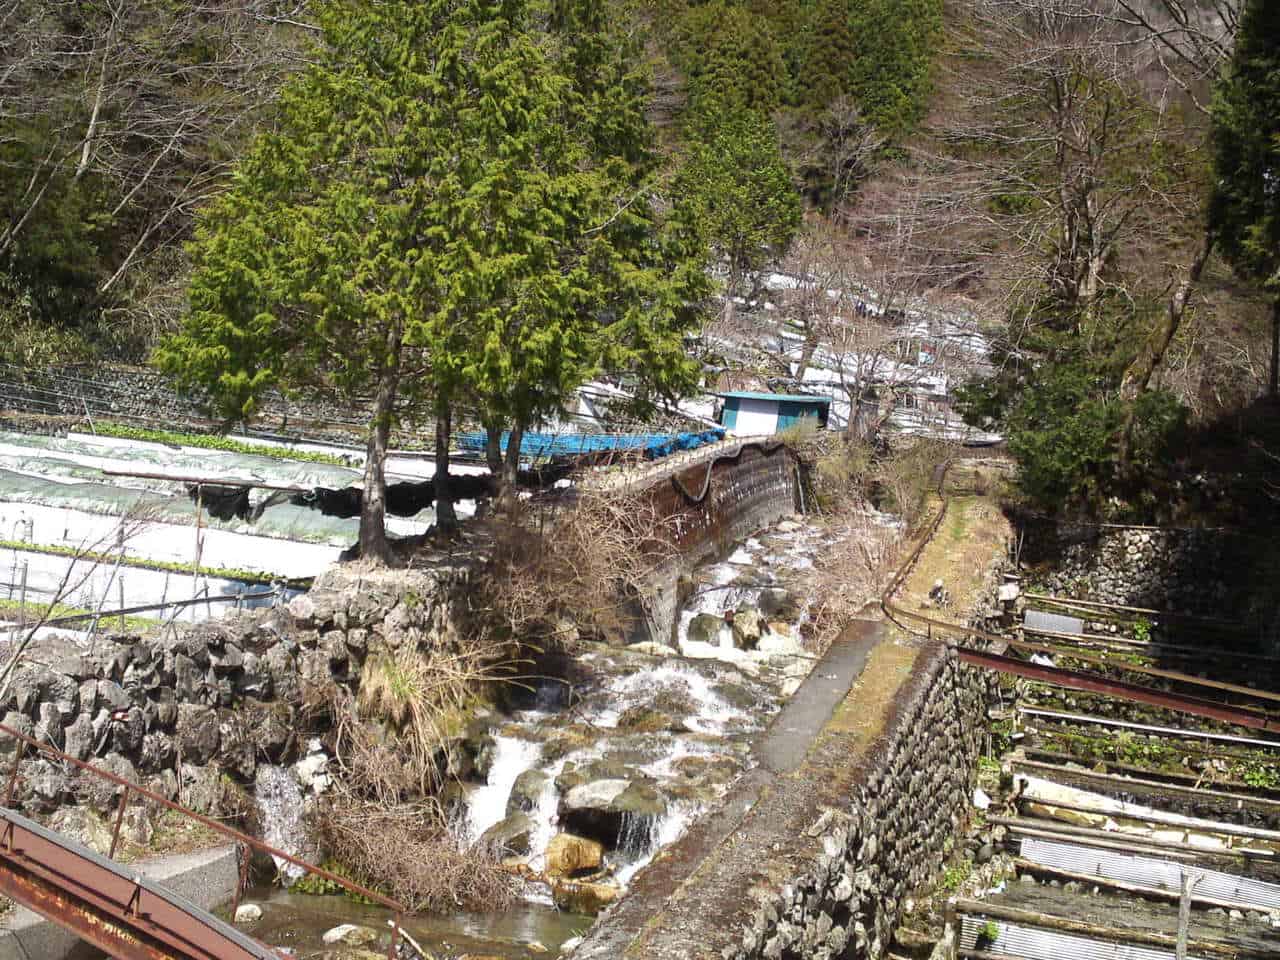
1093 683
115 831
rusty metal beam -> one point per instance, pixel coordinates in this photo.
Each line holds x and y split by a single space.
1094 683
108 906
25 742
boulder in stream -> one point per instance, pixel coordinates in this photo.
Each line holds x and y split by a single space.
705 628
568 855
611 810
748 628
351 935
526 791
587 898
778 604
509 837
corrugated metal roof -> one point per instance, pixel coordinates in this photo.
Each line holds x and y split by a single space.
1055 622
1150 872
1035 943
791 397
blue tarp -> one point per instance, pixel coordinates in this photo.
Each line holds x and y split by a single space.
654 446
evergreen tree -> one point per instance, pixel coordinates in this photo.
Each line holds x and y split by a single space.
829 55
737 193
731 55
1245 212
428 225
894 42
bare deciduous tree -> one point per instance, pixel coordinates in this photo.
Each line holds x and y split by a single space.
142 104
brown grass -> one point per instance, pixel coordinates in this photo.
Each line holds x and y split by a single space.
861 716
973 533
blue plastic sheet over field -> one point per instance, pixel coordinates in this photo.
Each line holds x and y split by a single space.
653 446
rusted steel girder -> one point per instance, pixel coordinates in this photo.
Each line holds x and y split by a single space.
1095 683
107 905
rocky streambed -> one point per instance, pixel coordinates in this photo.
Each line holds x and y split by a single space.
602 759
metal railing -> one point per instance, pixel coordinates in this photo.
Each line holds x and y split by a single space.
127 789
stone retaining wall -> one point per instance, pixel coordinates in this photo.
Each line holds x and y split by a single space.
1179 569
893 837
194 712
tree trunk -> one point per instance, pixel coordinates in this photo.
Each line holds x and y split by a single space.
1138 375
1274 387
493 449
806 354
446 517
510 482
373 502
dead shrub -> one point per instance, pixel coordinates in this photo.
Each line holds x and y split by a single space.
908 475
381 819
562 570
408 851
850 573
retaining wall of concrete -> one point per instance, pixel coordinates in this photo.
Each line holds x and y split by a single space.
712 506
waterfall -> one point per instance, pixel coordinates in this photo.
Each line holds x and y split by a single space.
648 835
726 637
278 797
512 756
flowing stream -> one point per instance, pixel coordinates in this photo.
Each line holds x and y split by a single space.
621 754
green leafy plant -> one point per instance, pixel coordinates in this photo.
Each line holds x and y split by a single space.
1260 774
164 566
955 874
313 884
1142 630
212 441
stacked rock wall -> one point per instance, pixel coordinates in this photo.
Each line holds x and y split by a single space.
1180 569
895 833
194 712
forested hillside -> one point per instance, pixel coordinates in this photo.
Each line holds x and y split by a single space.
1091 179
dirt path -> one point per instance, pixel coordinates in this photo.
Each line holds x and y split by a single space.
973 533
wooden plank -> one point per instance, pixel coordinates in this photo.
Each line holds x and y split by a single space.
1154 843
1113 766
1149 728
1239 799
1146 611
1130 643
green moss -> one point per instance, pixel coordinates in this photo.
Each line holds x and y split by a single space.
212 441
316 885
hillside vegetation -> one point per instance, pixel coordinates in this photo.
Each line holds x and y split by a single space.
1088 179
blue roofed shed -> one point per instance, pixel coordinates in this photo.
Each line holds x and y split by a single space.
755 414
